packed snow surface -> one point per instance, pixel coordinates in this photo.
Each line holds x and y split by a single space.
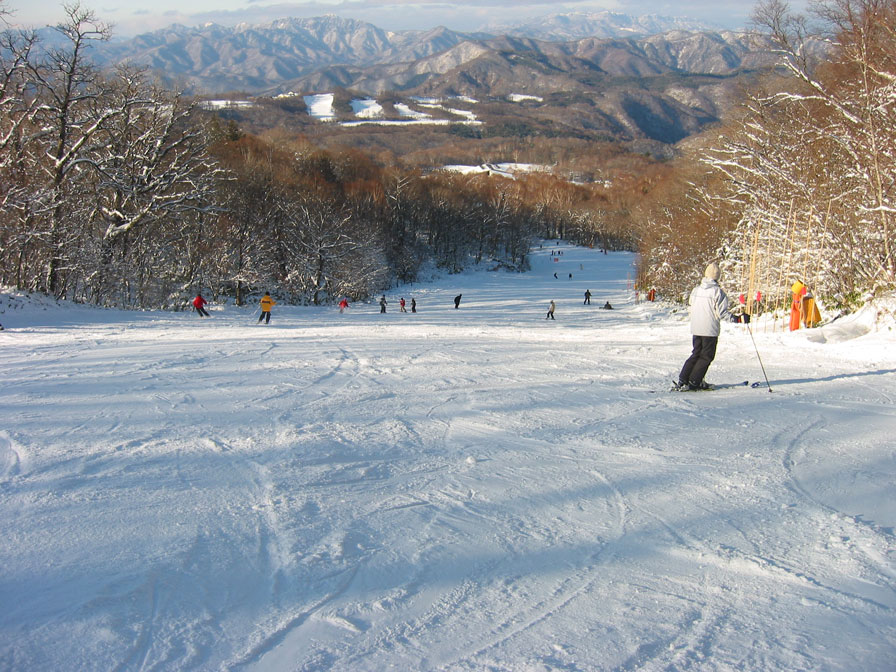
477 488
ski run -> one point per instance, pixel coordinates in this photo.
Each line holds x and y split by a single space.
471 489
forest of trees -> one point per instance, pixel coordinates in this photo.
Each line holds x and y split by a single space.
118 192
799 184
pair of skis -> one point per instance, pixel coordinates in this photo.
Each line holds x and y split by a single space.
711 388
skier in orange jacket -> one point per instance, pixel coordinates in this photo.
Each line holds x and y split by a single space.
266 304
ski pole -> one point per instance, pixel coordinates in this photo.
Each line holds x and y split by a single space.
768 384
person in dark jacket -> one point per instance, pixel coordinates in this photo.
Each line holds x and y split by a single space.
587 297
383 303
457 301
708 307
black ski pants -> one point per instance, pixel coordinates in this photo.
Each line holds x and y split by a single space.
694 369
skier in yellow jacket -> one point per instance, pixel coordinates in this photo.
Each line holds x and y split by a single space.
266 303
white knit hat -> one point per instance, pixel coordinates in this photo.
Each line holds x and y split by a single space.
712 271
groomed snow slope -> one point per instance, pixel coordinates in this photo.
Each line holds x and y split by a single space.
470 489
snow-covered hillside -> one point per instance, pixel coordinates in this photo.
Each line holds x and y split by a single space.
457 489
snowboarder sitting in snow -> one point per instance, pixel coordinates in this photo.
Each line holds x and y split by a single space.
607 306
266 304
708 306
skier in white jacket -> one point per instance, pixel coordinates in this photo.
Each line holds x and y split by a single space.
709 306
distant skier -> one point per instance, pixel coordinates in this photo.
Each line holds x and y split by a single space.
199 304
266 304
457 301
343 305
402 305
551 310
587 297
413 305
383 303
708 306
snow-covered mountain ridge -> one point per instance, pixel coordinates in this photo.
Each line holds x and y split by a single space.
568 26
269 57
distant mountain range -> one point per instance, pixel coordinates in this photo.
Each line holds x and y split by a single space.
287 53
654 77
578 25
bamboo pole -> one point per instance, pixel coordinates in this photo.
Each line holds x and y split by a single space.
744 262
768 279
806 255
751 280
821 253
785 257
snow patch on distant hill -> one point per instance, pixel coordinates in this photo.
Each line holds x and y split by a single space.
522 97
225 104
320 106
366 108
368 111
407 111
508 170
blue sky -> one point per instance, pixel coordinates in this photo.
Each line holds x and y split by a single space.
130 17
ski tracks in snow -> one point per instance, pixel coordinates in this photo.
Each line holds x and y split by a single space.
10 458
850 541
425 492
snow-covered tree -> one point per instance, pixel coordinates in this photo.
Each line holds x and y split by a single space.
811 163
68 121
331 253
154 178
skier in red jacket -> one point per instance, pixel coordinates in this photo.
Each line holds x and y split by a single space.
198 304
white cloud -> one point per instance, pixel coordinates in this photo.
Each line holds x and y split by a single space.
134 17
